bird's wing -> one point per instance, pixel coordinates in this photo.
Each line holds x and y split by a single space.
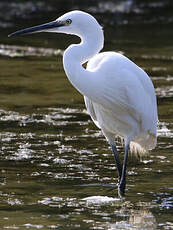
124 88
90 108
112 82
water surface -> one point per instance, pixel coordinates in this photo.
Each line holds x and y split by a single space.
57 170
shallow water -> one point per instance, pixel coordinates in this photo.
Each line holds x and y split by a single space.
57 171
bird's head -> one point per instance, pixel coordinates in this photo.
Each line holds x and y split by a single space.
75 22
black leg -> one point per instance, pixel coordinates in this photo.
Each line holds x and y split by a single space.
118 163
122 184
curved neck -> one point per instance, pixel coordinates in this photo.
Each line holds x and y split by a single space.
78 54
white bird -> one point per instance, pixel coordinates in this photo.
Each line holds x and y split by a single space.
119 95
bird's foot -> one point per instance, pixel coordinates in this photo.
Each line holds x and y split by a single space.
121 189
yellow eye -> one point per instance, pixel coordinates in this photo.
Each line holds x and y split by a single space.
68 21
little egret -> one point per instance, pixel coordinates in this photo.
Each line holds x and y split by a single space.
119 95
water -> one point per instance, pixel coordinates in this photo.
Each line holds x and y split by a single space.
57 171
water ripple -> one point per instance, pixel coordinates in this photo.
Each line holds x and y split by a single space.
24 51
165 91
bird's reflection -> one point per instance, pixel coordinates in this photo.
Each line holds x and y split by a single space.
138 219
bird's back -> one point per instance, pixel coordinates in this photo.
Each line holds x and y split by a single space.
128 102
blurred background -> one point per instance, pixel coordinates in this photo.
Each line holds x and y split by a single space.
18 12
130 26
56 169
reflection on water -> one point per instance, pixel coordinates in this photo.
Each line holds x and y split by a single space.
56 168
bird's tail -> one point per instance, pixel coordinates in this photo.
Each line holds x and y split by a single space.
141 145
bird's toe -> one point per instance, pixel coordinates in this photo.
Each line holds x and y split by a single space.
121 189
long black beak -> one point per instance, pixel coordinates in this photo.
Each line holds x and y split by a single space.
40 28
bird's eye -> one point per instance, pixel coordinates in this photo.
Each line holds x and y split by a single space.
68 21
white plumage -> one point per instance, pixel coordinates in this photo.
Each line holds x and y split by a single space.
119 96
128 106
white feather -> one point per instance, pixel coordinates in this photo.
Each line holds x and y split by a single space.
118 94
128 108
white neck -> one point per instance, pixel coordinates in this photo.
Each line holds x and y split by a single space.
78 54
